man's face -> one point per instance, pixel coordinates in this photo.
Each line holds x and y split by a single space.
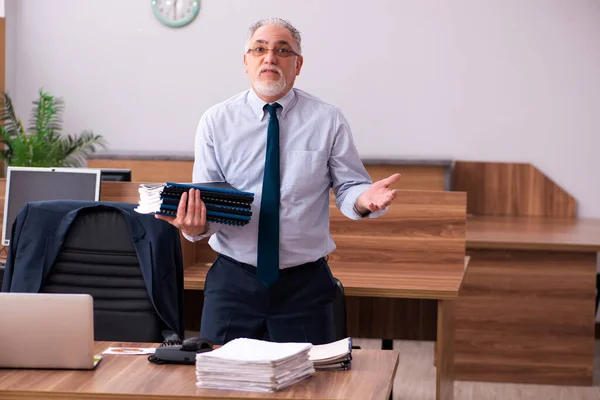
272 64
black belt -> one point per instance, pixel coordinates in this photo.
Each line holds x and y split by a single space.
282 272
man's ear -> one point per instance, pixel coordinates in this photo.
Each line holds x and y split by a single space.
299 63
246 62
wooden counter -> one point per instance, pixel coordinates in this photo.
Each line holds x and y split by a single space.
527 308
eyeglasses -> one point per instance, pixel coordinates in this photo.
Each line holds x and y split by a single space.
282 52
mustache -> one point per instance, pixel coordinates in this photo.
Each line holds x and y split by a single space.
270 68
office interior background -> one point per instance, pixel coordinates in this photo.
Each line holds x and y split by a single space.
495 81
514 81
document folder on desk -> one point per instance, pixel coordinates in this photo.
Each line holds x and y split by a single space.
224 204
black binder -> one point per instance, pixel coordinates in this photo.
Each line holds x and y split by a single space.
224 203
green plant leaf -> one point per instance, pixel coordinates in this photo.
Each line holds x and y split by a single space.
77 149
8 118
46 117
43 145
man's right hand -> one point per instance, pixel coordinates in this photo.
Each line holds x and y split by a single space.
191 215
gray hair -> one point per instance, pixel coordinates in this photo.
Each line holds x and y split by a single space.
277 22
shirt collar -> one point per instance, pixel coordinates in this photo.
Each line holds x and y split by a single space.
287 102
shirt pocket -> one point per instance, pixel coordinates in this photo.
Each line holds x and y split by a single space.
305 172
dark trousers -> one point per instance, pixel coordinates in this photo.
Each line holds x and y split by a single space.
297 308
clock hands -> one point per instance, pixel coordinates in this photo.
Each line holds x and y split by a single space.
175 10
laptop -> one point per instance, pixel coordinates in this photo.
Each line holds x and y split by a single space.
46 330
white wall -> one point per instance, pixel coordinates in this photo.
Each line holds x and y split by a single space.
510 80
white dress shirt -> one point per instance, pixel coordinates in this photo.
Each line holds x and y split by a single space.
317 153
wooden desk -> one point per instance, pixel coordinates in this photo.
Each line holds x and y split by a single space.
527 309
123 377
390 281
364 280
533 233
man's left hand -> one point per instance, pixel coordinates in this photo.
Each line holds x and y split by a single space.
378 196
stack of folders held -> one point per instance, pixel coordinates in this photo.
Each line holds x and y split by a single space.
224 204
254 365
332 356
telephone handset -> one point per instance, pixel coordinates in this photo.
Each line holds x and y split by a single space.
184 353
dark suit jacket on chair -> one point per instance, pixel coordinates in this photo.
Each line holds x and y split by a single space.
39 231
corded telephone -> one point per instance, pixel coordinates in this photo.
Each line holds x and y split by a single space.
184 353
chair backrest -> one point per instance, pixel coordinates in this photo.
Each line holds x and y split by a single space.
339 306
98 258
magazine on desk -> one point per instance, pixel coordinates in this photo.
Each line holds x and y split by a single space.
224 203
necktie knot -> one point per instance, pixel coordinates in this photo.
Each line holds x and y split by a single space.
272 109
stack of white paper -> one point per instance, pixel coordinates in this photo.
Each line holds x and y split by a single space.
254 365
150 198
332 356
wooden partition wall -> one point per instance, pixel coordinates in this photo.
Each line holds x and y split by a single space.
526 309
511 189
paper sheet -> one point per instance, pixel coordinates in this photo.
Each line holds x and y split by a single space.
129 350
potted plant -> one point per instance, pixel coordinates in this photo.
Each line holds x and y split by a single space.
42 143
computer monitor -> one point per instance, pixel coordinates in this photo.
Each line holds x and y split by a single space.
26 184
115 175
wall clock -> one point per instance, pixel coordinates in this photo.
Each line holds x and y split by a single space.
175 13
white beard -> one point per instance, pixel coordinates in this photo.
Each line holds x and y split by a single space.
270 88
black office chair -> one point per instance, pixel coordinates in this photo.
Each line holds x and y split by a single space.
339 307
98 258
597 291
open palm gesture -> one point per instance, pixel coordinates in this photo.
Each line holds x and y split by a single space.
378 196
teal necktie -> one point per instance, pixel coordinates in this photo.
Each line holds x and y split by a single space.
267 262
